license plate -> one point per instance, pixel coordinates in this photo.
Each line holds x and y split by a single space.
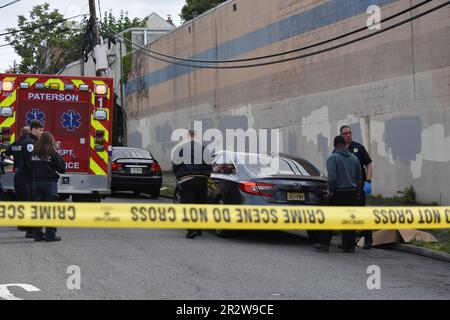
136 170
295 196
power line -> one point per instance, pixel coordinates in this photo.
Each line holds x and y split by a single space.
68 7
296 57
42 25
9 3
284 52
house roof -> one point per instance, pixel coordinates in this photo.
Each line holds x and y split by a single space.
156 22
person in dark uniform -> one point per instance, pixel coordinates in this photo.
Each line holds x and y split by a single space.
22 176
192 177
46 164
15 150
344 183
367 172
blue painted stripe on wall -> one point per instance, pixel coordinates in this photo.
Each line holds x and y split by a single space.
323 15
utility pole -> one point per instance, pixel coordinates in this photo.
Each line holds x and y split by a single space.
100 72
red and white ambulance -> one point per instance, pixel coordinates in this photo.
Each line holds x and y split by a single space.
77 111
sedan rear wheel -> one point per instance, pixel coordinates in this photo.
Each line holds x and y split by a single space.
221 232
155 194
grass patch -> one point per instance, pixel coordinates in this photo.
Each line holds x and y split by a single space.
407 197
437 246
167 191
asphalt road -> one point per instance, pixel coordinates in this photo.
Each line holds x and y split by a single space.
162 264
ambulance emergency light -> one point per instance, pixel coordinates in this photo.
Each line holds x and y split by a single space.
101 115
7 86
6 112
54 86
24 85
101 90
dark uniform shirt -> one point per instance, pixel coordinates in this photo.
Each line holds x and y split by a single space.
363 156
46 170
15 150
191 168
27 150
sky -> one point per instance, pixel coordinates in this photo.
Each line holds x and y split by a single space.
135 8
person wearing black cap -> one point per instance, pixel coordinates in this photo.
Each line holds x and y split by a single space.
344 183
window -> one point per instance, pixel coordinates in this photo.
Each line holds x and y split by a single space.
223 165
262 165
131 154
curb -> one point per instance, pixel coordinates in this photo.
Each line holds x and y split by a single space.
421 251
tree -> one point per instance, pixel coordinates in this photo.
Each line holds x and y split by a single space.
120 24
46 46
193 8
13 69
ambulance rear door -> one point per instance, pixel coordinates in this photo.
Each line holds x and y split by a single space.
66 116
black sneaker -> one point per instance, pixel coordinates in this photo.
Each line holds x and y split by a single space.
349 249
29 235
52 239
367 246
321 248
39 238
191 234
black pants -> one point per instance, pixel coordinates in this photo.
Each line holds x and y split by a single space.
22 189
45 192
341 198
194 191
367 234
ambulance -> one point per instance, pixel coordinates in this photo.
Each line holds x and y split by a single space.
78 111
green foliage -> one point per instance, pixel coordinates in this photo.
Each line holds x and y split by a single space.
193 8
46 49
127 64
13 69
443 246
122 23
408 195
119 25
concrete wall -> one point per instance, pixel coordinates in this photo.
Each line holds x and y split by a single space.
393 88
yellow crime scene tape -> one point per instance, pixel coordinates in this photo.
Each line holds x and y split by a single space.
185 216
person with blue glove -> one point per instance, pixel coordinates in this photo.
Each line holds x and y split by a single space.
367 172
367 188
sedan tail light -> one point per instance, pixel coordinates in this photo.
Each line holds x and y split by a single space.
257 188
116 166
155 167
